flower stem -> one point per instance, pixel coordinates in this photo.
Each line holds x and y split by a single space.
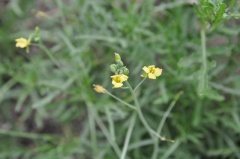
111 123
139 84
107 134
92 126
159 129
49 54
129 133
204 54
140 114
121 101
203 74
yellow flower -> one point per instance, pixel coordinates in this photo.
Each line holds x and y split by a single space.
117 80
22 43
99 89
151 72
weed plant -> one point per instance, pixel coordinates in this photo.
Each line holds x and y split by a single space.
49 109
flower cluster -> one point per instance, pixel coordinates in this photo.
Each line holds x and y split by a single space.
120 71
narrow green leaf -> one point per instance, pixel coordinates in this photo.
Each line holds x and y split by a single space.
46 100
213 95
231 4
226 89
220 13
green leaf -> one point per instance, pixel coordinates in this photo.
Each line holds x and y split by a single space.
231 4
214 95
46 100
188 61
220 13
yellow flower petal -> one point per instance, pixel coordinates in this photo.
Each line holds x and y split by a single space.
145 69
151 72
124 77
158 72
117 85
117 80
22 43
151 66
151 76
113 76
113 82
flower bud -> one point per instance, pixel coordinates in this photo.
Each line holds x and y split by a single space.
120 63
36 34
36 39
117 57
37 30
125 71
113 68
99 88
120 72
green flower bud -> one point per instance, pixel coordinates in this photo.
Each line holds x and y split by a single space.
120 72
117 57
113 67
120 63
125 71
36 39
37 30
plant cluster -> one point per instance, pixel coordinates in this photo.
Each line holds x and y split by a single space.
188 108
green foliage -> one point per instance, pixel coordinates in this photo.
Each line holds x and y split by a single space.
213 12
48 109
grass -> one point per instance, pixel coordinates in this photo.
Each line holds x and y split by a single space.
48 108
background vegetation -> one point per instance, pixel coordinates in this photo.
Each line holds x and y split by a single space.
50 111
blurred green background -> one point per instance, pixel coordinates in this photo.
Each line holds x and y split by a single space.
47 112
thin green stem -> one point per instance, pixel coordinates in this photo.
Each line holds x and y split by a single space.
203 74
124 87
159 129
204 54
155 149
139 84
111 123
140 114
121 101
138 108
128 136
171 150
107 135
49 54
92 127
26 135
140 144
